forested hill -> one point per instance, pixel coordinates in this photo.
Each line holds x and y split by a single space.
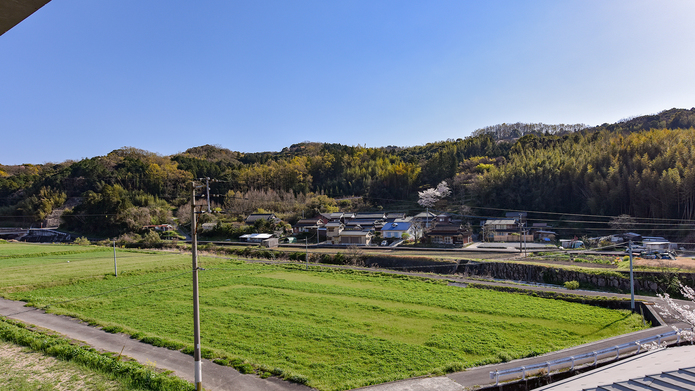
667 119
644 167
510 132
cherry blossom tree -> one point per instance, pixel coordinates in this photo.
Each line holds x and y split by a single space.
684 313
428 198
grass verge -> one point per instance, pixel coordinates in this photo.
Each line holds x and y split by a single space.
130 373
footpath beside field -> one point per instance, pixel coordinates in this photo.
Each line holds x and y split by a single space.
215 377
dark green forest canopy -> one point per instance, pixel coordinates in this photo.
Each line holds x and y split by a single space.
643 167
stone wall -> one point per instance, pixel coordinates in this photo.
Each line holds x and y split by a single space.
652 282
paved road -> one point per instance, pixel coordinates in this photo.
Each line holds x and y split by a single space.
215 377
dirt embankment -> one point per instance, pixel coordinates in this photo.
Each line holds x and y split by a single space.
682 263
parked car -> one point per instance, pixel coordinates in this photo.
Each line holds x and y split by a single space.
384 242
656 254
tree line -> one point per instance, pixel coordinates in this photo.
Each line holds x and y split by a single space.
609 170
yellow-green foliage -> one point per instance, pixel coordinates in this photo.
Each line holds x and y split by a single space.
613 170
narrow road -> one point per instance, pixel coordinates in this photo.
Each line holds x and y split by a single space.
215 377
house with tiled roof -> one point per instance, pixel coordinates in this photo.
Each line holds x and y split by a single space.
449 233
310 225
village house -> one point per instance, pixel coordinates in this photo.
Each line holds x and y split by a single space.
394 215
397 228
448 232
338 216
310 225
356 237
424 219
333 231
504 230
370 216
255 238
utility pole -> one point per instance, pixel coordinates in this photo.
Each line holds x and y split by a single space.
306 256
115 266
196 301
520 235
632 281
207 188
525 245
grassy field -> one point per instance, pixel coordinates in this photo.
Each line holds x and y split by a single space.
24 369
27 266
31 359
333 329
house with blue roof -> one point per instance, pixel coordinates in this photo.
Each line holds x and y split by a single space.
397 228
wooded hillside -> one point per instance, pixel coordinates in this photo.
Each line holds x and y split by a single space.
644 167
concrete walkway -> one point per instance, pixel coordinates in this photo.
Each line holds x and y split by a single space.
215 377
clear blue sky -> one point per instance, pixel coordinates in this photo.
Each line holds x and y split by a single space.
80 78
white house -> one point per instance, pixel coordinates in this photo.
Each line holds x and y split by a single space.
396 229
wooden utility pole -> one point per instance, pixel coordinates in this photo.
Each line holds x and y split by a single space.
521 249
196 301
632 281
115 266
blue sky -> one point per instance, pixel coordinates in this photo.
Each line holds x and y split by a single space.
80 78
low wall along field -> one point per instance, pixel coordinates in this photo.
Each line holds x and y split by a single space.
330 329
645 281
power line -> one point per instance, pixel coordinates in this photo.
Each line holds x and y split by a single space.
580 215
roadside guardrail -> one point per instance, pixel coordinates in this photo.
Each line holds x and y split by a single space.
595 355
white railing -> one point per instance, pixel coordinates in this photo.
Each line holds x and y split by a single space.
613 351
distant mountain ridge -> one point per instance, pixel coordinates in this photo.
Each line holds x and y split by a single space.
510 132
667 119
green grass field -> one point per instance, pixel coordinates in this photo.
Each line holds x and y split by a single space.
334 329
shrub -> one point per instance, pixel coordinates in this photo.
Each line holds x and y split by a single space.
82 241
113 329
326 258
151 239
245 368
571 284
297 256
504 357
